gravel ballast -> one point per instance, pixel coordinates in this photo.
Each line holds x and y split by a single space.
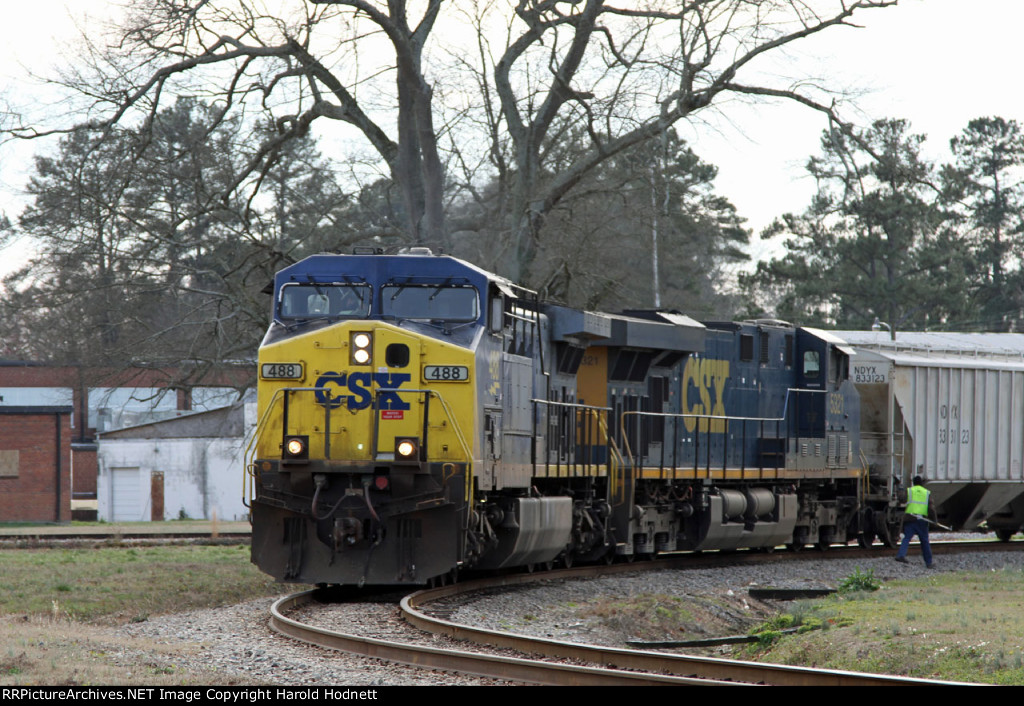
237 643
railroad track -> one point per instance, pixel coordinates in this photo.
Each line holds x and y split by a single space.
550 662
496 666
71 536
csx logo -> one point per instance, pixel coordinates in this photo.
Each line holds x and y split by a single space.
357 385
835 404
709 377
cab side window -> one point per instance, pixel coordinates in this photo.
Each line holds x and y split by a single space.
812 364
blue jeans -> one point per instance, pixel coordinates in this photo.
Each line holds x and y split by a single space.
920 528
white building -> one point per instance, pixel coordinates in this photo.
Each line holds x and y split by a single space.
186 467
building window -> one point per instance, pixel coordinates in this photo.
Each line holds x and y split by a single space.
9 464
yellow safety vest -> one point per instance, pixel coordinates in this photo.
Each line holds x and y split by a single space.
917 501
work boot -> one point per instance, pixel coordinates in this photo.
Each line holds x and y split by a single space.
902 560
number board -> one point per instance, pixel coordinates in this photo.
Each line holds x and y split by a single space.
445 373
877 373
281 371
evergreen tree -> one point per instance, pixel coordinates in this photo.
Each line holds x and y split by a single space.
874 243
985 191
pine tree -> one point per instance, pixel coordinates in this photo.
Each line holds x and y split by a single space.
985 191
874 243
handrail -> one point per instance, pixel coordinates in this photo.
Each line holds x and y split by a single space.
712 417
456 428
266 415
591 413
248 476
785 410
613 448
249 455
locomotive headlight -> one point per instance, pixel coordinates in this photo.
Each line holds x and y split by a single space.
295 448
361 346
407 449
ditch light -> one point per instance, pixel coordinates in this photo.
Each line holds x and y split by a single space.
295 448
407 449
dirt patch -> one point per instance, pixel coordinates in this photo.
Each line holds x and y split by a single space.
665 617
61 652
614 621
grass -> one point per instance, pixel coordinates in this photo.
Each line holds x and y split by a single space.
919 628
112 585
59 608
860 581
664 617
965 626
650 615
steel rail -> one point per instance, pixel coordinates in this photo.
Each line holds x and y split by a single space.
490 666
704 667
653 668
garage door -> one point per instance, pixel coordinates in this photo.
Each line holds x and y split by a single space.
126 494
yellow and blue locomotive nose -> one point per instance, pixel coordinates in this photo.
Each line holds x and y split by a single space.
357 395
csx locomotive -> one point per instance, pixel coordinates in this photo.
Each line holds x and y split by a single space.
418 416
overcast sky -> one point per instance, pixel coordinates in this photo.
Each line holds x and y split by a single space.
937 63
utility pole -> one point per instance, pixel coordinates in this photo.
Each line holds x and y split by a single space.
654 235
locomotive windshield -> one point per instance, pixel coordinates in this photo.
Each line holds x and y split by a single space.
315 301
435 302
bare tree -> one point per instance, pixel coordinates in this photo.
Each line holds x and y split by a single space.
625 72
140 261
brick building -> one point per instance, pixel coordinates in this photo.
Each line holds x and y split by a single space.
35 463
49 417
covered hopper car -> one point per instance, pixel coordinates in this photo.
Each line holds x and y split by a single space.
950 408
419 416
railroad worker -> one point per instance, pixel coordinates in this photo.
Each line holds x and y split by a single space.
916 522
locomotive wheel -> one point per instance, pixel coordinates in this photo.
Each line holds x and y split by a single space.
867 536
826 536
1004 535
795 546
891 536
